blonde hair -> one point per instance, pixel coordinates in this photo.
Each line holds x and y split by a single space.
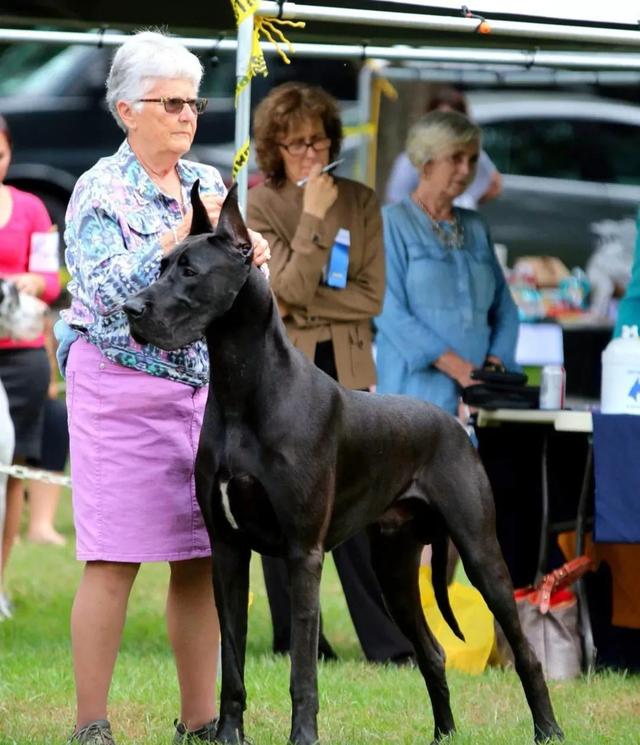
439 133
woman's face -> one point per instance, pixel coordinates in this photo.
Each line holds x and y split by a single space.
450 174
5 156
157 131
298 164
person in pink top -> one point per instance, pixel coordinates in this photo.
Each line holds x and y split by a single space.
29 258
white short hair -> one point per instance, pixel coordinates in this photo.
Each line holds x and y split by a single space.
439 133
144 58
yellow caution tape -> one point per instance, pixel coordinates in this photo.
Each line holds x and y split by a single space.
368 128
242 9
240 159
269 28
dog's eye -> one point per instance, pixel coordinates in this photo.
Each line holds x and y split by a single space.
187 271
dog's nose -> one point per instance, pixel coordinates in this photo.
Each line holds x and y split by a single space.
134 307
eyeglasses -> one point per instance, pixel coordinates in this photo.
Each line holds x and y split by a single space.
299 147
175 105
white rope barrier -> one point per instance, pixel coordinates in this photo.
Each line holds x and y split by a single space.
35 474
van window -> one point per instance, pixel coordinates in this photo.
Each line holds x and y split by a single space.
537 147
618 147
19 61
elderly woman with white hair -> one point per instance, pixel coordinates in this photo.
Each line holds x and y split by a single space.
135 411
447 308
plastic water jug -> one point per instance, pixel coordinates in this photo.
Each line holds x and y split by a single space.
620 392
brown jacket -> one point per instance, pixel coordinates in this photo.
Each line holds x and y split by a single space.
300 246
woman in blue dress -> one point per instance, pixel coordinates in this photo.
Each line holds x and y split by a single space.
447 308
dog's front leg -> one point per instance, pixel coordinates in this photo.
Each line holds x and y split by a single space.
231 586
305 571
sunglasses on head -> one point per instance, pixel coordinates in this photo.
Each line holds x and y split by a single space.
175 105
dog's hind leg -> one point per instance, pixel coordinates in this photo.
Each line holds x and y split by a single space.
231 586
487 571
396 561
305 570
470 520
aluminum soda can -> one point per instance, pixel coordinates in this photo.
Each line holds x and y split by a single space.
552 387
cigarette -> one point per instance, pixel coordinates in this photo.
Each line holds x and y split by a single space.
326 169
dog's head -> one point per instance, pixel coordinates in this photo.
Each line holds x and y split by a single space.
199 280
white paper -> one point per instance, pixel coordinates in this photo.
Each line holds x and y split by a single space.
344 237
44 255
539 344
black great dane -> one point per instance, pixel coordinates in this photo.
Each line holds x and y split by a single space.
291 464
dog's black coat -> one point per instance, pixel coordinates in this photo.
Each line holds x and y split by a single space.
290 464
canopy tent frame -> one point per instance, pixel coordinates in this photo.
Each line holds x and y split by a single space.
344 16
292 11
527 58
450 23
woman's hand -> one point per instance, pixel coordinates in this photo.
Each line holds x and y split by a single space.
494 363
456 367
169 241
261 252
213 204
29 283
320 192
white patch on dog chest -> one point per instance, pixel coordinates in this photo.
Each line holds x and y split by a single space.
226 505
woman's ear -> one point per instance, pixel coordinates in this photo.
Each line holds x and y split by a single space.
126 114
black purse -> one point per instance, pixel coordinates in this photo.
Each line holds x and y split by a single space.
500 389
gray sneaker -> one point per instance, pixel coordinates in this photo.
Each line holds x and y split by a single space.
94 733
206 733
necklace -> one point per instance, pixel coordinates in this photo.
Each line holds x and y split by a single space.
452 238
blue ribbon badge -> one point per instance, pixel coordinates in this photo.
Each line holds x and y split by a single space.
338 266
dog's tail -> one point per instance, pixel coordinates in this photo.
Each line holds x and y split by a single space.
439 581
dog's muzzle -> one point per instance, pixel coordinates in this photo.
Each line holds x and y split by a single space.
135 308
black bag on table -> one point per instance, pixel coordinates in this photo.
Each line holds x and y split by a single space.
501 389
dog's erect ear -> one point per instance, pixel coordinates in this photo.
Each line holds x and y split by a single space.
200 222
230 222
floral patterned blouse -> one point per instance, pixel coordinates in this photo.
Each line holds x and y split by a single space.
115 218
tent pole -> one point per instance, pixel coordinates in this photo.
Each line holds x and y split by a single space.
520 29
243 105
528 58
365 77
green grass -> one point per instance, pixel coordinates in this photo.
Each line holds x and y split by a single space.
360 703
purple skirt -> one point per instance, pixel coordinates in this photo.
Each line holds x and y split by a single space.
133 440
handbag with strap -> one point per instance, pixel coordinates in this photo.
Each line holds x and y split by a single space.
548 615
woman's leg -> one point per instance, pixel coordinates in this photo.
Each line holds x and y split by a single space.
380 637
194 633
13 513
43 503
43 498
276 582
97 620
